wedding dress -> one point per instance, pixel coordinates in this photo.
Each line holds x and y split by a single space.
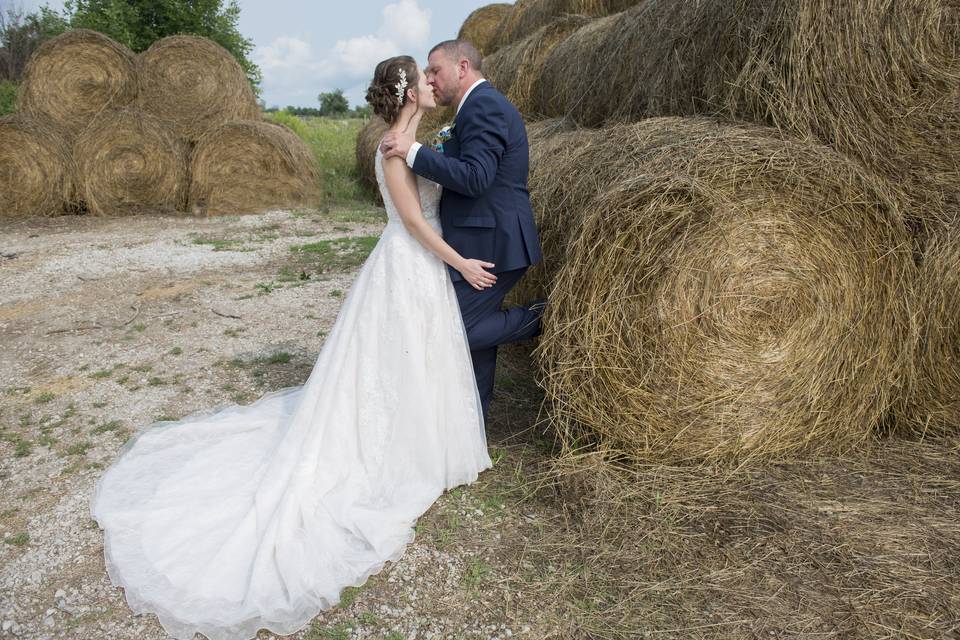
250 517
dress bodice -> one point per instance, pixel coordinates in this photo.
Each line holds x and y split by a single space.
429 194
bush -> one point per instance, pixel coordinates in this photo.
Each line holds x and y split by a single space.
8 97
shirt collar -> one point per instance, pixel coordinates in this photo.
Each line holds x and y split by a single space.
469 91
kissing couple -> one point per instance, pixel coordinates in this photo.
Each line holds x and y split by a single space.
248 517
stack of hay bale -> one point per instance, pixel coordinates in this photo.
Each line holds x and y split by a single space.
749 215
176 128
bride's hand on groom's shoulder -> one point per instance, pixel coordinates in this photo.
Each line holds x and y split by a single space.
396 144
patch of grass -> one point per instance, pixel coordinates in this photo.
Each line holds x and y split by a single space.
287 274
348 596
394 635
143 368
357 214
319 632
44 397
280 357
163 418
79 449
112 425
222 244
336 293
84 368
176 351
369 618
339 254
101 374
154 381
139 327
477 572
233 332
18 539
123 379
263 288
22 448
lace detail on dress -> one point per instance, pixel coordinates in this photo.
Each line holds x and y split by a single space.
429 194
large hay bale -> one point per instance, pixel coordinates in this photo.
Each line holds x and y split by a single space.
878 81
933 408
129 161
368 139
529 15
731 295
251 166
36 172
194 84
481 26
515 68
74 76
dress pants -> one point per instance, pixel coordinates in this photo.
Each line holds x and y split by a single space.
489 326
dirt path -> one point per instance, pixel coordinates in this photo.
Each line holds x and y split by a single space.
107 325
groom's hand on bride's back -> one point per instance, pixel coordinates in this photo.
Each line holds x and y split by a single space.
396 145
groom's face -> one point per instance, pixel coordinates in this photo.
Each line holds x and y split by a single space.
443 76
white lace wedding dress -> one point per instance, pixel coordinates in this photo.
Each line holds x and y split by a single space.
257 516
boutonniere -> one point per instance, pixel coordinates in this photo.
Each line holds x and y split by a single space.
442 136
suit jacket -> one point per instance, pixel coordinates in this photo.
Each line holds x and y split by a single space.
485 208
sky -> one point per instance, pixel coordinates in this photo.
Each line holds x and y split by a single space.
305 47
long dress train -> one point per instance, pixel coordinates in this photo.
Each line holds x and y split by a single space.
250 517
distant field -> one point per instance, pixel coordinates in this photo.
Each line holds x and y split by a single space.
333 143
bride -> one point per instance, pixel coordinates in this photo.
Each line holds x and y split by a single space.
258 516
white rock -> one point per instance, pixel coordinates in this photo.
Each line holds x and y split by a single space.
8 624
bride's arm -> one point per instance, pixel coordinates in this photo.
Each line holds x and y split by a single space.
402 186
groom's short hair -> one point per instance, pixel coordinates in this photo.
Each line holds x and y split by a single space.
458 49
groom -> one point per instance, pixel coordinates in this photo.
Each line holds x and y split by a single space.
485 207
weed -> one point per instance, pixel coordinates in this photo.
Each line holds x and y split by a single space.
18 539
44 397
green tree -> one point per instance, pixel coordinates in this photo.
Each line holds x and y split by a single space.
140 23
21 34
333 103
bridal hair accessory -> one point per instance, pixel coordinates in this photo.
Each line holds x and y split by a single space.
401 86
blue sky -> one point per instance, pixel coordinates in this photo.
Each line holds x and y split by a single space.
305 47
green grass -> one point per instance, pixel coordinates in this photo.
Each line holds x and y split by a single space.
19 539
339 254
333 143
45 397
8 97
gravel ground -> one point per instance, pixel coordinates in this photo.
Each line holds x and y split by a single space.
107 325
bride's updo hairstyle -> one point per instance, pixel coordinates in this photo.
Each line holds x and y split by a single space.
382 92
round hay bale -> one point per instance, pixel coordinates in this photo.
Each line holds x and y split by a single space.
529 15
36 172
194 84
877 81
368 139
732 295
130 162
433 121
480 27
74 76
933 408
515 68
249 167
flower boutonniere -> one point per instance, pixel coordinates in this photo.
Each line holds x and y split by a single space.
442 136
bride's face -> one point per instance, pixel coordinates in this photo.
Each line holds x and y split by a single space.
425 92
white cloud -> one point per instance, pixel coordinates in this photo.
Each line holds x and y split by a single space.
293 72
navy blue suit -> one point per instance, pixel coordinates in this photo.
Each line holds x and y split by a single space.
485 214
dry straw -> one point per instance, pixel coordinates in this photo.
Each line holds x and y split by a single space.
515 68
74 76
934 407
130 162
529 15
731 295
36 171
249 167
368 139
194 84
480 27
878 81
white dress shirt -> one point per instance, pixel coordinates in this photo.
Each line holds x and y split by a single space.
412 154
